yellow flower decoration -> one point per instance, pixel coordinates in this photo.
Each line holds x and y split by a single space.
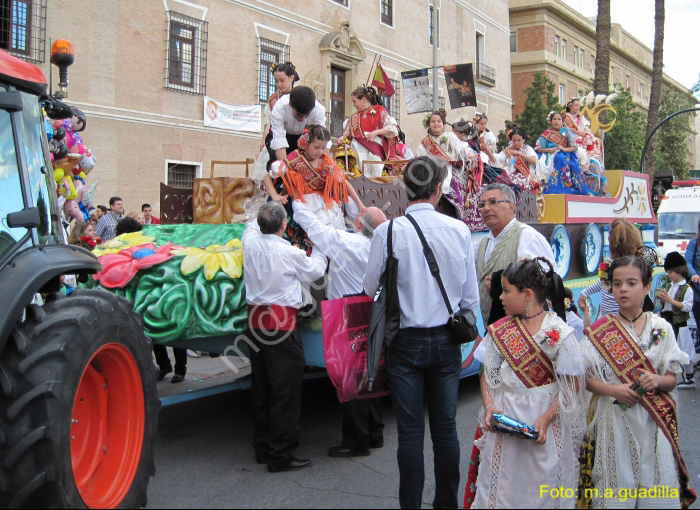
122 242
227 257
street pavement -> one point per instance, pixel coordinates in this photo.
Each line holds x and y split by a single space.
204 457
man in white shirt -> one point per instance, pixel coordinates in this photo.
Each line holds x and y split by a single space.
273 273
290 115
507 241
424 358
348 253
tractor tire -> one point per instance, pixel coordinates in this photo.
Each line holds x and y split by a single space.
78 406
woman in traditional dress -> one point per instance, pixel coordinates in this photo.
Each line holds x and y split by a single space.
371 131
533 373
285 75
310 175
519 160
449 147
592 145
487 140
633 445
557 152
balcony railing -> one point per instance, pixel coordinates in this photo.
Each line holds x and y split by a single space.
335 123
485 74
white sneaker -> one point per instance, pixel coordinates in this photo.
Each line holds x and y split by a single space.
193 354
688 384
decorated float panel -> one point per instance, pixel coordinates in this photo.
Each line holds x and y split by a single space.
186 279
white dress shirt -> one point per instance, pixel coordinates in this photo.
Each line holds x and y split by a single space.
283 122
348 252
274 270
422 304
532 244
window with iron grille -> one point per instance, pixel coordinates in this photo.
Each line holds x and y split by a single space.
186 54
392 104
23 28
270 53
387 8
181 175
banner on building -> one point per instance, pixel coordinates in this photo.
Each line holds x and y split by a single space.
233 117
460 85
416 86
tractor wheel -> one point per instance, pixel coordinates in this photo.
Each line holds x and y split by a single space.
78 406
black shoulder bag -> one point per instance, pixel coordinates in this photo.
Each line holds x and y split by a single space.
385 317
462 324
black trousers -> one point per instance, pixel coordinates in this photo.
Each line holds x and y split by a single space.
668 317
277 363
363 427
292 140
163 360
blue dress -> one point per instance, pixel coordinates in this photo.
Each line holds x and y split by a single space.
567 176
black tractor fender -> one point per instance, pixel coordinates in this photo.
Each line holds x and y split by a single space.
33 270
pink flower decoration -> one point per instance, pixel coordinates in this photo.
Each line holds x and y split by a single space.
118 269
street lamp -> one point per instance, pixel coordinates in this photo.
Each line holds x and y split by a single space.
62 56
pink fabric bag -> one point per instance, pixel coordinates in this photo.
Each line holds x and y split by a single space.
345 324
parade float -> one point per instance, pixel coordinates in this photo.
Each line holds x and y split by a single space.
185 276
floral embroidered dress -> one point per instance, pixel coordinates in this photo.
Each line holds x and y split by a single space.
451 149
594 171
522 173
631 451
513 469
379 148
322 189
560 169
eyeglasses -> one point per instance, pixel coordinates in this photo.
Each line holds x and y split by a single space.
491 201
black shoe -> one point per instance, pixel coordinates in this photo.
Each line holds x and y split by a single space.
343 452
293 464
262 457
162 373
177 378
378 444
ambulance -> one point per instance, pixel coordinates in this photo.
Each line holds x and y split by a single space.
678 217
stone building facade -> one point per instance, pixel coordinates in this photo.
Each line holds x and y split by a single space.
551 37
142 68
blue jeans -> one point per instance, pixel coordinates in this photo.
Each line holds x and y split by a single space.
425 362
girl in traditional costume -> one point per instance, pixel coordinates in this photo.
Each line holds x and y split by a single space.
285 75
487 140
310 175
579 125
633 360
533 373
371 131
519 160
558 163
449 147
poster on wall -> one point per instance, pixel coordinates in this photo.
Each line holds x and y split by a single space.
233 117
416 86
460 85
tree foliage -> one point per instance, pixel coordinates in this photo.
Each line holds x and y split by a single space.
625 141
672 148
540 101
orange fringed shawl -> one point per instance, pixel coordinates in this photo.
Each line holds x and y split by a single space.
300 178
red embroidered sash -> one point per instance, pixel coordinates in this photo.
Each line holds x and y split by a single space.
358 134
434 149
626 358
529 362
570 123
555 137
522 166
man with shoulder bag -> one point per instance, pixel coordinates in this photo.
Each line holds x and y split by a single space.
425 356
